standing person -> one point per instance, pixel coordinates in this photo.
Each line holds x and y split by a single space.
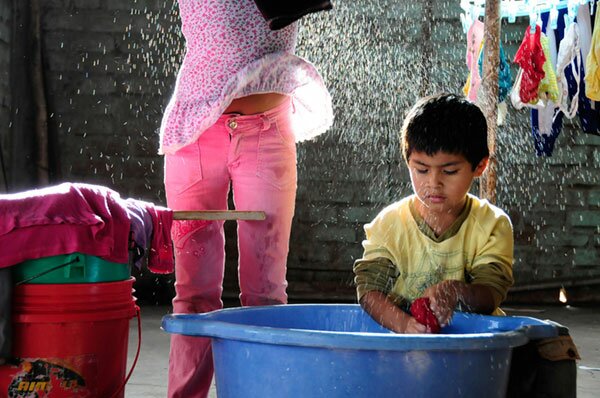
241 101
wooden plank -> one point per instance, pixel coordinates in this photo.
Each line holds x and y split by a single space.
219 215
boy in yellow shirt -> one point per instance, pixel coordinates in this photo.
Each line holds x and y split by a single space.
441 242
451 247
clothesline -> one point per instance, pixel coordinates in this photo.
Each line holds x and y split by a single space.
511 9
559 70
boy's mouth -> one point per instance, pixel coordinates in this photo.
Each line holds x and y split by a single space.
436 198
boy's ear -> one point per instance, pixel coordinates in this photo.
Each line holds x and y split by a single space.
481 166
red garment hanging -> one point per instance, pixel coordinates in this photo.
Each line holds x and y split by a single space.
530 57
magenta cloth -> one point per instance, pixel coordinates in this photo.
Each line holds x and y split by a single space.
63 219
421 311
161 256
74 217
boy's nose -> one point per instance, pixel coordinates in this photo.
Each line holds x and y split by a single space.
435 179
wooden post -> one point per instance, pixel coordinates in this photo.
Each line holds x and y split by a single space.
427 53
39 95
488 95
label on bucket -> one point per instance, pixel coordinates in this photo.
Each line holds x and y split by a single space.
50 377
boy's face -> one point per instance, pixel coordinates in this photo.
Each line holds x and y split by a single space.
442 181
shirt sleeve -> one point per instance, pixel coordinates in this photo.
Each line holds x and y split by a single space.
376 274
493 265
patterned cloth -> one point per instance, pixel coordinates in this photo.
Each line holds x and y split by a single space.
232 53
530 57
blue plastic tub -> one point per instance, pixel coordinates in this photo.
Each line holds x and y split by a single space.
331 350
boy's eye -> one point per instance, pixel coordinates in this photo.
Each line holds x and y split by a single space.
450 172
421 171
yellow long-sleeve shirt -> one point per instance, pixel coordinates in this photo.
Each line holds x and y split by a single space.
402 256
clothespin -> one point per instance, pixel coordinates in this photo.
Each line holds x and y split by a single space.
466 18
553 18
533 15
464 22
478 8
572 7
511 10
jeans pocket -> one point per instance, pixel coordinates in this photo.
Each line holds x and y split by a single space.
276 159
183 169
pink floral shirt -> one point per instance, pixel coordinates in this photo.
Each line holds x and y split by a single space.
232 53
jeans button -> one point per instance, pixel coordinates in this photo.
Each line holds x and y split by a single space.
232 124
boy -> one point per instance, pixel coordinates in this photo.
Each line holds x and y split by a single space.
441 242
452 247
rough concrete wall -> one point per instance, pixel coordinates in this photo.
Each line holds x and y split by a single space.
110 69
105 101
5 42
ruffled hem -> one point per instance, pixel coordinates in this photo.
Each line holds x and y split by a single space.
186 119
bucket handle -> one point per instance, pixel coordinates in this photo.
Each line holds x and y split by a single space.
75 260
137 354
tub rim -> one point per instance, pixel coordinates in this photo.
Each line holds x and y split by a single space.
208 325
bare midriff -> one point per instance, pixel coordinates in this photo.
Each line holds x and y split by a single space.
255 103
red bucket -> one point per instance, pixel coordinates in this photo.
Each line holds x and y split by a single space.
70 340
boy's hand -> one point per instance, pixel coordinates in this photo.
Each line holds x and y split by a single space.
443 298
413 327
389 315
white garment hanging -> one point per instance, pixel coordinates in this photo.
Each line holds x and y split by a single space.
584 23
569 53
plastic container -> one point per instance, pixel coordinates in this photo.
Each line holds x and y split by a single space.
79 268
70 340
327 350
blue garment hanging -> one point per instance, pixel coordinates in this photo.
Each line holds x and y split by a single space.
505 80
543 143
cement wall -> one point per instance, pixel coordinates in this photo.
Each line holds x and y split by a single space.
5 97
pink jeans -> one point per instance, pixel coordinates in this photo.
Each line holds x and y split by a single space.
256 154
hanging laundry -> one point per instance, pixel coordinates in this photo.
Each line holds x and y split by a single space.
569 57
474 47
546 124
589 107
548 88
530 57
515 97
504 76
585 28
592 64
474 59
504 83
546 121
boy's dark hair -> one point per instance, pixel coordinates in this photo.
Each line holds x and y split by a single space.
445 122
